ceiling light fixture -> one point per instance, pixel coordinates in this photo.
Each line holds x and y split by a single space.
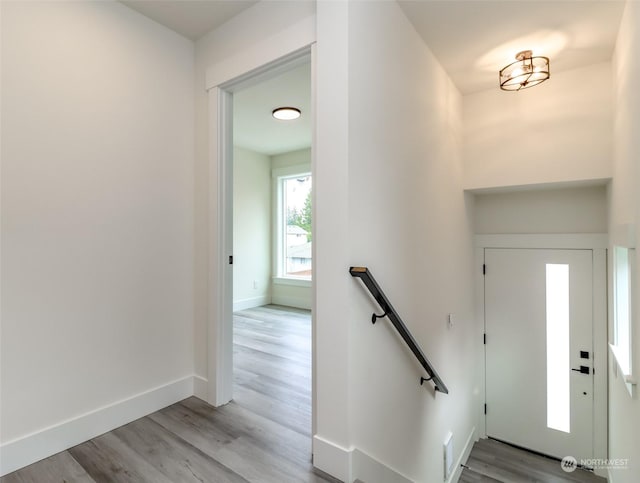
286 113
525 72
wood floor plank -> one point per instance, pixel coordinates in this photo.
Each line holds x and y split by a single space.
284 393
508 464
61 467
175 458
246 339
277 439
269 365
107 459
470 476
245 453
294 418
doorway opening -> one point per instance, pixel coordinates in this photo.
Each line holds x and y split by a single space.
272 241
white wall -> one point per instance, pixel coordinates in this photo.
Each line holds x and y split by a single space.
248 29
252 216
301 157
410 223
97 209
558 132
331 254
564 210
624 411
292 294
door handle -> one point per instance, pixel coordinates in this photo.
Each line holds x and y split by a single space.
582 370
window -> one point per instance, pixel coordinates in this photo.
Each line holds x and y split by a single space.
293 222
558 360
622 281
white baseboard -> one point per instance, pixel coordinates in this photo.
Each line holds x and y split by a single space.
331 458
289 301
201 387
41 444
250 303
464 456
352 464
368 469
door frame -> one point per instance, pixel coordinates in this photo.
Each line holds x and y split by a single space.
265 59
598 243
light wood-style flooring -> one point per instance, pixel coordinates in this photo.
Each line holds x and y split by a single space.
263 435
491 461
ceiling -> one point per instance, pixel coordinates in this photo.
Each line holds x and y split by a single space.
253 125
474 39
191 18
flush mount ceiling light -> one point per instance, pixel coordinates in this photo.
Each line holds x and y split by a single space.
525 72
286 113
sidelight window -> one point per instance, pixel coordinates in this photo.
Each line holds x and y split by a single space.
558 348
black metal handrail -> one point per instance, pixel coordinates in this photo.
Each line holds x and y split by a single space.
364 274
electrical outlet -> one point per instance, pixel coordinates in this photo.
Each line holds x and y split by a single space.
255 284
450 321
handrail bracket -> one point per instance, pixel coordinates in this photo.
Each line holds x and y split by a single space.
375 317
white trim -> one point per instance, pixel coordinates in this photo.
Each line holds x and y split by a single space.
245 64
576 241
251 302
314 366
553 185
279 175
600 355
41 444
290 301
354 464
220 323
480 331
200 387
601 472
624 238
628 379
464 456
290 171
596 242
332 458
368 469
292 282
290 46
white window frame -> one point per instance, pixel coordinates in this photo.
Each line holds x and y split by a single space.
623 281
279 222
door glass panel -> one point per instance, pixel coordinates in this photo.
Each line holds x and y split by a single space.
558 357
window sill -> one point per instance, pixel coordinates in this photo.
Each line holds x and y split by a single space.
628 379
293 282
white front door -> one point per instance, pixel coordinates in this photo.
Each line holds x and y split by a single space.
539 349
